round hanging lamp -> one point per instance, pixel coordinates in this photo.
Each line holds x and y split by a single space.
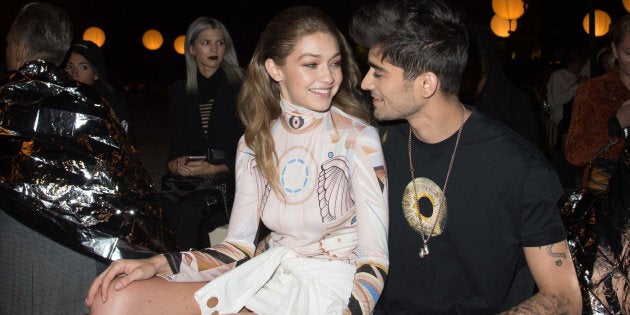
508 9
602 23
94 34
152 39
178 44
502 27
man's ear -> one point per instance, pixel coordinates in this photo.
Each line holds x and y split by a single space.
20 54
428 82
273 70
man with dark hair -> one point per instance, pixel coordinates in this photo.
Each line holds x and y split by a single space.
499 245
73 193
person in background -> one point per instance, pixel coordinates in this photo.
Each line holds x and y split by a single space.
598 117
472 204
203 122
486 87
597 215
561 88
310 168
85 63
560 93
39 275
606 61
73 193
610 280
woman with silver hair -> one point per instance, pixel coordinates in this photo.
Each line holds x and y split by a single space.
203 123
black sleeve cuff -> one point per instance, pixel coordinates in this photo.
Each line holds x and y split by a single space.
174 260
614 127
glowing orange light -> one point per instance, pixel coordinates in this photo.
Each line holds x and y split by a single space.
94 34
508 9
152 39
178 44
602 23
502 27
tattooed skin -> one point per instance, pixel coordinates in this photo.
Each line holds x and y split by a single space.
542 303
545 303
551 253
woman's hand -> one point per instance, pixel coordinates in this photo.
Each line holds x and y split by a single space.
178 166
623 114
124 272
195 168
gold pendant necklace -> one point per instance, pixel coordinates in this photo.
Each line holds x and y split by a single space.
412 211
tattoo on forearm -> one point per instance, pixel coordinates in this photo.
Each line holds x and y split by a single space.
542 303
551 253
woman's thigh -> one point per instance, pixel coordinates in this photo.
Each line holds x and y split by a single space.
151 296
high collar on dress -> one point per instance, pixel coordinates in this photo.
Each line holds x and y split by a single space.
297 117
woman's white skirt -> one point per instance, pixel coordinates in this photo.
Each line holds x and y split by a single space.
279 282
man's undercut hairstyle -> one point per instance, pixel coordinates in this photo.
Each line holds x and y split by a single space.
45 30
416 35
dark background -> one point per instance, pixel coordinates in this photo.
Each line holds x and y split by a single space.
546 26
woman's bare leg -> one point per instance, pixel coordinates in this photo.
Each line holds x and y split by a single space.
151 296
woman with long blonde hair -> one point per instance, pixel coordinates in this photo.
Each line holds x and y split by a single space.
310 169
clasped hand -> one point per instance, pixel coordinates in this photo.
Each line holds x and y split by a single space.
184 167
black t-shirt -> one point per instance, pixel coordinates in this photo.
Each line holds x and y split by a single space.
501 196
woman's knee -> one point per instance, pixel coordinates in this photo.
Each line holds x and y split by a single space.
151 296
118 301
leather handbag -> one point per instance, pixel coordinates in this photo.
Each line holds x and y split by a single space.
598 170
176 186
183 185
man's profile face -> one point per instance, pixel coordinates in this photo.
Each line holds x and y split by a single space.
393 97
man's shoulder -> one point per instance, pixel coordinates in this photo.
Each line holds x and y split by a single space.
491 135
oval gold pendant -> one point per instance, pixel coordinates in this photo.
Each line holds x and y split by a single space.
425 188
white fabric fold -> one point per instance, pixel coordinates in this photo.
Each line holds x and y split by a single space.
280 282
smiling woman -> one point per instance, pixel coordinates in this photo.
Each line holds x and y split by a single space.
311 74
307 141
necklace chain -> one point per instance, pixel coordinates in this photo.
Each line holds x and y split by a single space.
425 238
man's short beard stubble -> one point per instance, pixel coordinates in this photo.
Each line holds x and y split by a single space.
391 111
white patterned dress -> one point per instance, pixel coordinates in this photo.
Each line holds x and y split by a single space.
332 171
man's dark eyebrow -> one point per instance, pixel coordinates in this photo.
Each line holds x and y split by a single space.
376 67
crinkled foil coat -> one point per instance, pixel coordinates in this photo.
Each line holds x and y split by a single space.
598 232
69 171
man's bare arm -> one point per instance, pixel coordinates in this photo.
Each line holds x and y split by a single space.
554 273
